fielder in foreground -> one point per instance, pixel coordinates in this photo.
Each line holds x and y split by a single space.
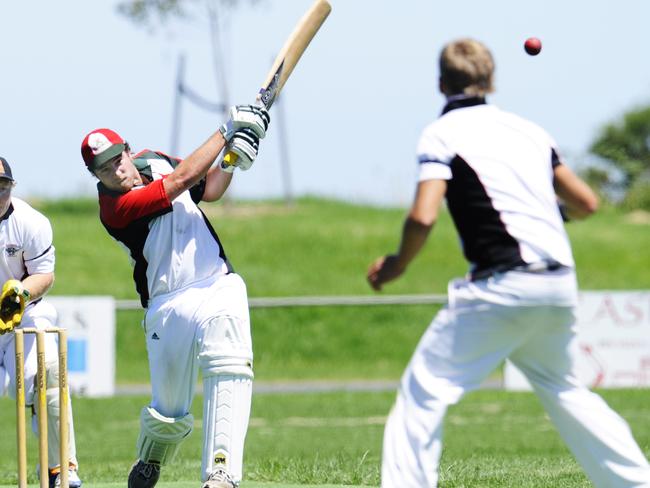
27 271
501 176
196 305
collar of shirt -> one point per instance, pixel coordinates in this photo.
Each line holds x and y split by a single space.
462 101
9 211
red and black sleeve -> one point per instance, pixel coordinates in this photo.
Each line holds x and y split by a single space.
120 210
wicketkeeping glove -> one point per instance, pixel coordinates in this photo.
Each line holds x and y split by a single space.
251 117
13 300
244 144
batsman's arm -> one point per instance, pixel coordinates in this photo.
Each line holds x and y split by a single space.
216 184
194 167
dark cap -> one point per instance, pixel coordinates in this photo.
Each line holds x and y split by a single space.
5 170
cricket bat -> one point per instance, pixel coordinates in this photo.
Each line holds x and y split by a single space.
288 57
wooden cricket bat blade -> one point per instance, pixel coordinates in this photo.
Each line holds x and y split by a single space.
288 57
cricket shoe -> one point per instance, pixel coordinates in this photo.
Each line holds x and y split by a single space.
144 475
73 478
219 479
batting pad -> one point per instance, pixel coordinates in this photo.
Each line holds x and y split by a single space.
226 410
160 437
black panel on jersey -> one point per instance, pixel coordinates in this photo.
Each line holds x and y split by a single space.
555 159
9 211
222 253
197 191
40 255
134 236
486 242
143 167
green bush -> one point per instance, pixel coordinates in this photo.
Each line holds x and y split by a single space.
638 196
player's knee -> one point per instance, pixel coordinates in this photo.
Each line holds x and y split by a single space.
160 436
230 365
226 348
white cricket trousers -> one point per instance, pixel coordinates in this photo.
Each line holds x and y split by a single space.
204 326
529 318
175 328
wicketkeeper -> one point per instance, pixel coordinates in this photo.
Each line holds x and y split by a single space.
27 273
196 305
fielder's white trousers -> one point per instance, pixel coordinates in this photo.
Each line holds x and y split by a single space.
529 318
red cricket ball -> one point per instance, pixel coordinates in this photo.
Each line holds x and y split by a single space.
533 46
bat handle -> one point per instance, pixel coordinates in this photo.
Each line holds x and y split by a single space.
230 158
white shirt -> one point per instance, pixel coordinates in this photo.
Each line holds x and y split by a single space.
499 172
26 246
171 243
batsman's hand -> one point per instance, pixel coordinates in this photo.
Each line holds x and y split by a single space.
13 299
245 145
383 270
253 117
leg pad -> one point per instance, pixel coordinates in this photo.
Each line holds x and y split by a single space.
160 436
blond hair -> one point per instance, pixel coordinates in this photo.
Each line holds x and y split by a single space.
466 67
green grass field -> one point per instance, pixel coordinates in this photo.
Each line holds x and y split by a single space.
193 484
318 247
493 439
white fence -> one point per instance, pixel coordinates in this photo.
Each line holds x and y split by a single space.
613 335
323 301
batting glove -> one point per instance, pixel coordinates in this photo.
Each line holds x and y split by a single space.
251 117
6 326
245 144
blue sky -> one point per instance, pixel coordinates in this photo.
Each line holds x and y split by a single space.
354 106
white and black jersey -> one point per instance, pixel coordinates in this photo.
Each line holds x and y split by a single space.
499 172
171 243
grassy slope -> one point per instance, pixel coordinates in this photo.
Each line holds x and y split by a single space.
319 247
324 247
